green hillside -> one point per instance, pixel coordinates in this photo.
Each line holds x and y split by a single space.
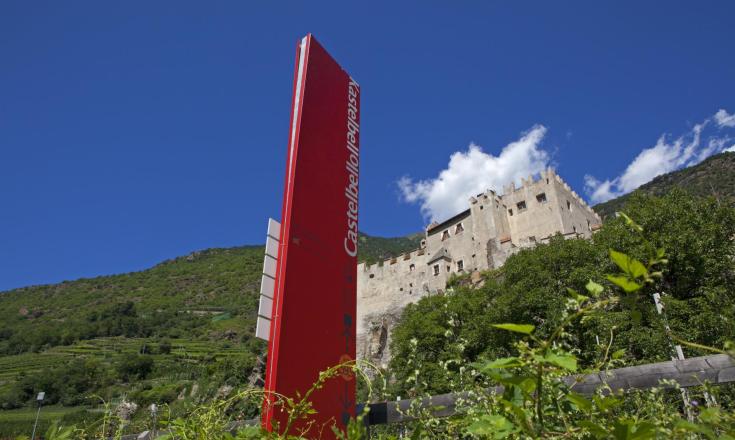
177 298
374 249
174 333
714 176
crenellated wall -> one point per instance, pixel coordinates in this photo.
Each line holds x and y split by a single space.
482 237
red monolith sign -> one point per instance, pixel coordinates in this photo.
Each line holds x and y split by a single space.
312 325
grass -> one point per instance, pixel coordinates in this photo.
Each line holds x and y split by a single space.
48 413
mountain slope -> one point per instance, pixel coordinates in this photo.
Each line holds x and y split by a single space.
374 249
174 299
183 325
170 299
715 176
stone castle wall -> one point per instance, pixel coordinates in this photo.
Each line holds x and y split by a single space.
482 237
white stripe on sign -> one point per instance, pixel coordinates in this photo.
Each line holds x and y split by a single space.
263 328
274 229
269 266
265 307
271 247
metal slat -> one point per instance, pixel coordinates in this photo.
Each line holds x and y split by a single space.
263 328
271 247
269 266
267 286
274 229
265 308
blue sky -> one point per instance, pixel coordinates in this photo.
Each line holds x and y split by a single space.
132 132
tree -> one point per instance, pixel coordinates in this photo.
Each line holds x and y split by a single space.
134 366
698 283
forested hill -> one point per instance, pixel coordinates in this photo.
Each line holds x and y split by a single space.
715 176
176 298
373 249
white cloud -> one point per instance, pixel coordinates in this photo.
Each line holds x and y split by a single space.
724 119
731 149
666 156
474 171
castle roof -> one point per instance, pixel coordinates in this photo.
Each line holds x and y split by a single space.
442 253
434 227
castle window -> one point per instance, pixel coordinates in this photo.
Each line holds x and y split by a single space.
547 180
449 268
569 205
574 228
541 198
436 269
481 206
445 235
458 229
510 212
589 226
460 266
372 275
521 206
411 267
532 239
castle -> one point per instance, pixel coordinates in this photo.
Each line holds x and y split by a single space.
482 237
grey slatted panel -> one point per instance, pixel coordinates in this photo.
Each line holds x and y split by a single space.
274 229
269 266
267 286
263 328
265 308
271 247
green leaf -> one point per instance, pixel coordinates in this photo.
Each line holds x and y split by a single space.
509 362
593 288
526 329
493 426
631 266
619 354
527 384
564 360
686 426
594 429
581 402
628 285
710 415
629 221
577 297
606 403
626 429
636 316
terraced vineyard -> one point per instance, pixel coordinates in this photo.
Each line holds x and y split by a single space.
108 350
201 306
